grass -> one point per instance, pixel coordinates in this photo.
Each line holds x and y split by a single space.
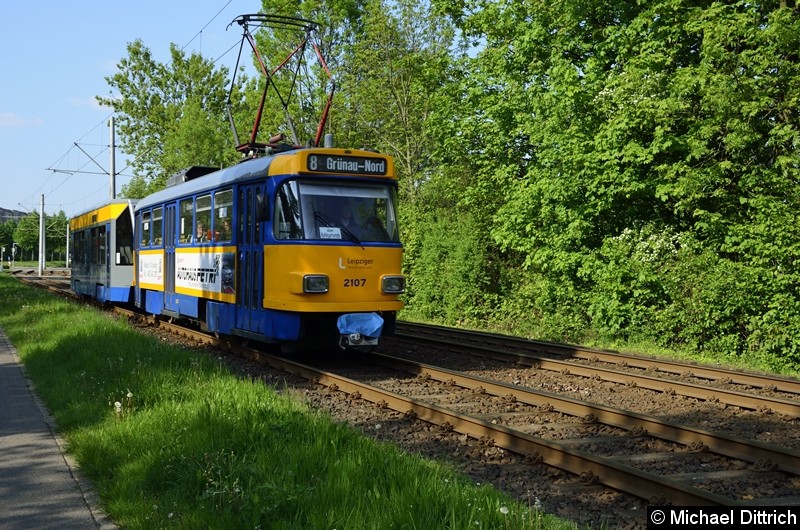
171 439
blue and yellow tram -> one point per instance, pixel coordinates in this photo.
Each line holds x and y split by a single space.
299 245
101 248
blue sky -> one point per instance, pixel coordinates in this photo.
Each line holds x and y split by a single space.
55 56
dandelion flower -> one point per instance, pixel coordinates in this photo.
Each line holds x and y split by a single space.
504 510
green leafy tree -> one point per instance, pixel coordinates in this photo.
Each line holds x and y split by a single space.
7 236
393 72
170 116
388 60
602 125
26 234
56 234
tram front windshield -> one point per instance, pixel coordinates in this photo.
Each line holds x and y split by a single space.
336 211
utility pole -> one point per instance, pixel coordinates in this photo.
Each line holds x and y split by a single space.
66 258
42 256
111 168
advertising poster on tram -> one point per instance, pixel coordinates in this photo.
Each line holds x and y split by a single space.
209 274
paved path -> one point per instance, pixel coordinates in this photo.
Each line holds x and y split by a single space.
39 485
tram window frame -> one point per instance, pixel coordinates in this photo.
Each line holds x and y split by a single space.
223 209
247 214
102 245
93 260
186 223
242 201
286 223
157 231
144 240
98 249
370 203
78 249
203 214
124 239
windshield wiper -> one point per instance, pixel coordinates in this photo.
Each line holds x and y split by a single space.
332 222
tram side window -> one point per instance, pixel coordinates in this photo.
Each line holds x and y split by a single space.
158 226
101 245
203 218
94 249
124 240
242 201
186 224
98 241
79 249
287 213
145 231
223 210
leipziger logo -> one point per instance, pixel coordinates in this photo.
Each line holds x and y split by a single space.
357 263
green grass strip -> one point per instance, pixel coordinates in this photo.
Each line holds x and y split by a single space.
171 439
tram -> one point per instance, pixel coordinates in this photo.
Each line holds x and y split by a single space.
101 243
297 246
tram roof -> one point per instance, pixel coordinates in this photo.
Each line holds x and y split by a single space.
242 171
292 162
104 211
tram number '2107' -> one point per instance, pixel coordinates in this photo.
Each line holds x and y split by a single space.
355 282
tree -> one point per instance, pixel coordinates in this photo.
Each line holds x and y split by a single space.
26 233
393 73
170 116
388 60
7 235
56 234
611 128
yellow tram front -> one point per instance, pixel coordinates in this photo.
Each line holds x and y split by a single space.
334 248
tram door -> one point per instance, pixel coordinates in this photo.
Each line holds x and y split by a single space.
250 288
169 255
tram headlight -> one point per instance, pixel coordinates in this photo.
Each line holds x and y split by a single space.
315 283
393 284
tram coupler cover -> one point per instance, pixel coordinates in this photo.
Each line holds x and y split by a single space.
359 329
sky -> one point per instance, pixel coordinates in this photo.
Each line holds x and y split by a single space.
54 59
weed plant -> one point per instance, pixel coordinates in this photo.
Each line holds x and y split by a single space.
171 439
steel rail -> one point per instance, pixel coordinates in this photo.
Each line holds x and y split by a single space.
784 384
752 451
730 397
737 398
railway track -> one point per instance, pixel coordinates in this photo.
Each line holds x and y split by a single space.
647 457
753 391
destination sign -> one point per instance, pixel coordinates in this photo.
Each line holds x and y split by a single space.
361 165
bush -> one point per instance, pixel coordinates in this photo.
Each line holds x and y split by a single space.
449 280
